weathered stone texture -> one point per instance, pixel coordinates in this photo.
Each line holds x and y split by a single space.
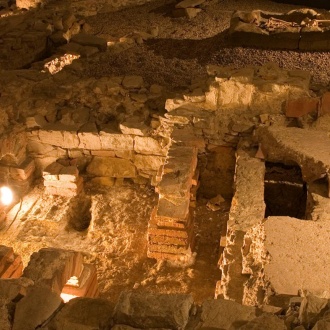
309 149
148 310
111 167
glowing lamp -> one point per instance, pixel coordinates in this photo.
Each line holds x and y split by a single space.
6 195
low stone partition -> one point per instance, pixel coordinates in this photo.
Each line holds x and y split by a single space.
108 154
302 29
247 210
11 265
170 230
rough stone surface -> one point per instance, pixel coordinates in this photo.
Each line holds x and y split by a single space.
147 310
111 167
287 273
226 314
39 303
84 314
309 149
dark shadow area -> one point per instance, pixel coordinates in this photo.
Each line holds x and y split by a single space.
80 215
309 3
186 49
285 191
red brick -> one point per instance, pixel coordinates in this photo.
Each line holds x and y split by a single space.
325 103
300 107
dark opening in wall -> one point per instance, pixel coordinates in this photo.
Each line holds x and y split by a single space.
285 191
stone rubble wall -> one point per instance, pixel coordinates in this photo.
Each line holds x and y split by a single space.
224 108
302 29
247 210
109 155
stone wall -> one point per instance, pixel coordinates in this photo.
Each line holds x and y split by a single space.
302 29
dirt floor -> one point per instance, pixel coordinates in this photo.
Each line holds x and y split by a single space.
183 47
116 239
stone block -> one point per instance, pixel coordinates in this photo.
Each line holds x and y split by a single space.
226 314
84 314
85 39
234 94
172 212
300 107
116 141
59 136
145 162
112 167
325 103
265 321
65 184
24 171
150 146
315 38
39 304
132 82
51 268
307 148
89 137
52 171
288 273
148 310
68 174
134 128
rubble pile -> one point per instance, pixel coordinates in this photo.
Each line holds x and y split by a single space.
30 38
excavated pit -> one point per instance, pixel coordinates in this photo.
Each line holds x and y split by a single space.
285 191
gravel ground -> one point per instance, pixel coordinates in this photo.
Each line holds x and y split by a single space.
184 47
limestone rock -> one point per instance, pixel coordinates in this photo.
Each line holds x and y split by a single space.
226 314
39 304
85 314
148 310
85 39
112 167
307 148
312 309
132 82
265 321
51 268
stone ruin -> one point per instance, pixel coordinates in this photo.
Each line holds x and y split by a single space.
298 29
65 131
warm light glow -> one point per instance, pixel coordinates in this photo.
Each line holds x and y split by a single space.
6 195
67 297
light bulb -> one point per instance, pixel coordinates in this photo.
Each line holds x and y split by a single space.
6 195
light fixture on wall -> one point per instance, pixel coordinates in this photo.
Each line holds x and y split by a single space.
6 195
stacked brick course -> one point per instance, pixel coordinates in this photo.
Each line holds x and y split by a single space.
62 180
11 265
170 232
